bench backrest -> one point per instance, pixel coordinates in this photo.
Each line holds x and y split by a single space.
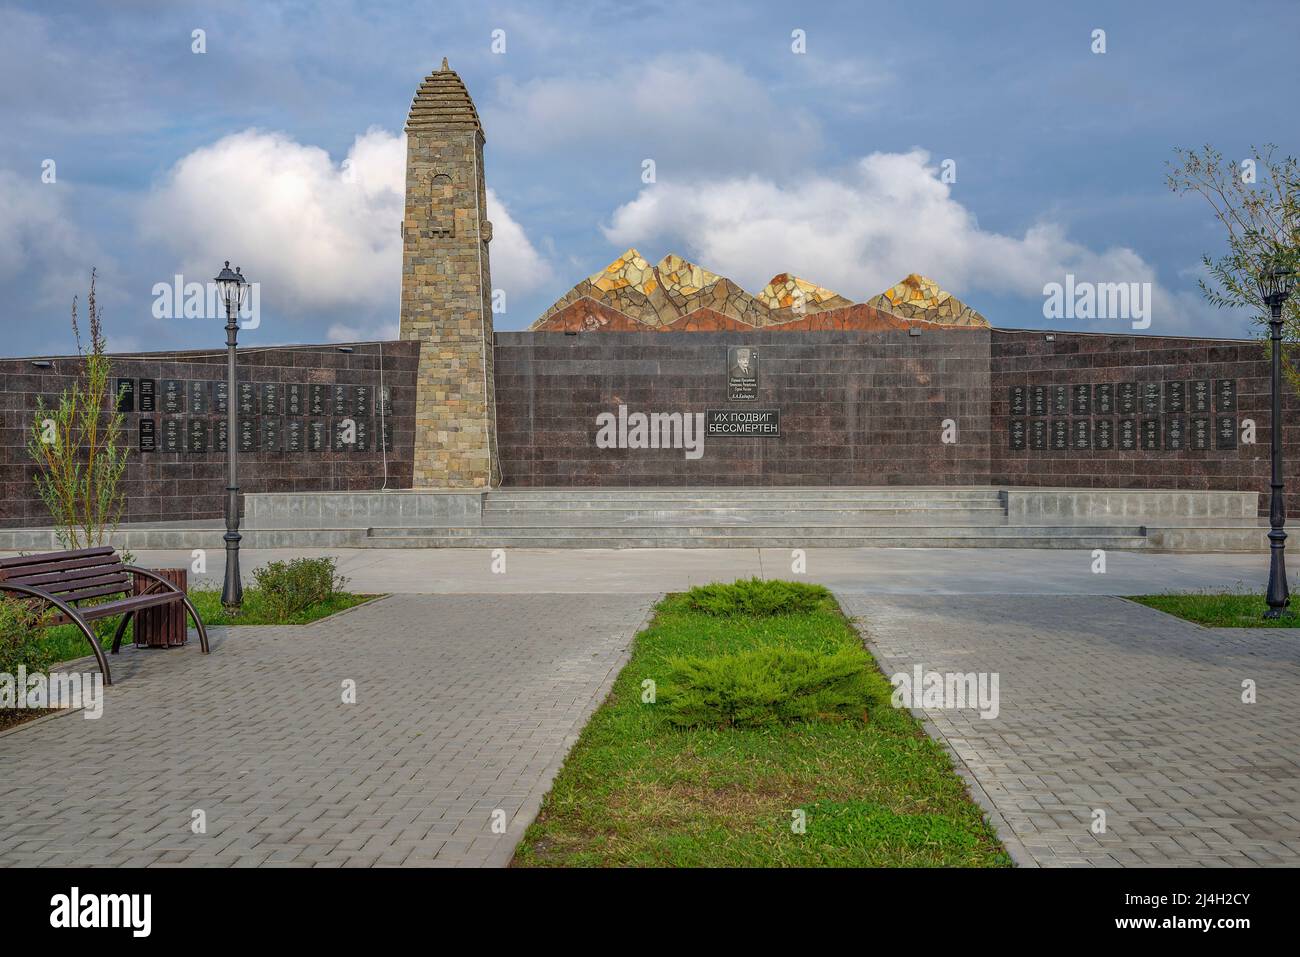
70 576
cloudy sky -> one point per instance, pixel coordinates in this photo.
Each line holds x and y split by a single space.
281 148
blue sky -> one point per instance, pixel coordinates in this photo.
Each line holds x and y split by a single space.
279 148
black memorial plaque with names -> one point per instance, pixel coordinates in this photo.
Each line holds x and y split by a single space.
293 435
148 436
221 436
172 435
361 400
1060 400
1225 432
340 401
270 398
1127 401
1081 440
1082 403
1038 400
1225 396
270 434
293 404
344 437
1202 434
1151 434
1060 435
1175 397
1175 435
247 435
200 390
1103 438
317 433
126 395
1017 399
1038 434
1199 400
1151 398
316 400
221 399
148 395
1018 435
196 440
1103 399
1127 439
385 402
387 433
246 403
363 435
173 399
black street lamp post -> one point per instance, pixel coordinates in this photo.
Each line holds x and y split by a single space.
1275 285
233 289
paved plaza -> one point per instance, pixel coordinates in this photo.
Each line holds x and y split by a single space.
465 705
1108 705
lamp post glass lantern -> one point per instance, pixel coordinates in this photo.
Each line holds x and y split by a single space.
232 288
1276 283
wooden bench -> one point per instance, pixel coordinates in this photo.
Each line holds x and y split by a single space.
64 579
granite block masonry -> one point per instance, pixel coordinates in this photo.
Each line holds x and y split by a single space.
446 287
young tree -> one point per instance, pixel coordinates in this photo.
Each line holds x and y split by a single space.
1257 200
78 445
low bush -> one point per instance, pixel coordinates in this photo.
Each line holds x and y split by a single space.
21 636
767 686
290 588
757 598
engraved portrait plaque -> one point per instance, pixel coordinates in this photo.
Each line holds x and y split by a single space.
742 374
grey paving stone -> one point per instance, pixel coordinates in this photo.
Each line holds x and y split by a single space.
465 704
1109 705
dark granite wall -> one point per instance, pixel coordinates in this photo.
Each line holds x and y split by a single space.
856 408
177 486
1027 359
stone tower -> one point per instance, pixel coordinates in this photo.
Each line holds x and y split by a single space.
447 287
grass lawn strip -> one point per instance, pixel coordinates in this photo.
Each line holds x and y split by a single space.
1222 610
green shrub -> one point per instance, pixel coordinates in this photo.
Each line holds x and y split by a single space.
757 598
21 636
289 588
766 686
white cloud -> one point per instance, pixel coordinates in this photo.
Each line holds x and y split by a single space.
858 234
686 111
317 235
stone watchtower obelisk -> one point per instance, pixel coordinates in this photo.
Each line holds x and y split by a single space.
447 287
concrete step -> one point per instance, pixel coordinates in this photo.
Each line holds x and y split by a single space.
517 540
983 515
743 494
596 533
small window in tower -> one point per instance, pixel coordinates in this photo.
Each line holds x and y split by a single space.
442 208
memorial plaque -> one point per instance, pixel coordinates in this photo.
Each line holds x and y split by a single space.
339 400
1060 435
126 395
1175 434
1151 434
171 440
246 403
1202 434
221 436
270 398
387 433
197 436
758 423
148 397
1151 398
1103 399
363 435
1082 404
148 436
173 399
247 435
344 437
1127 401
1018 435
1081 440
293 435
316 436
270 434
385 401
1225 432
1017 400
293 399
1199 400
221 401
1126 439
1175 397
361 401
1038 434
1038 400
199 392
316 400
1225 396
1103 435
1060 400
742 374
